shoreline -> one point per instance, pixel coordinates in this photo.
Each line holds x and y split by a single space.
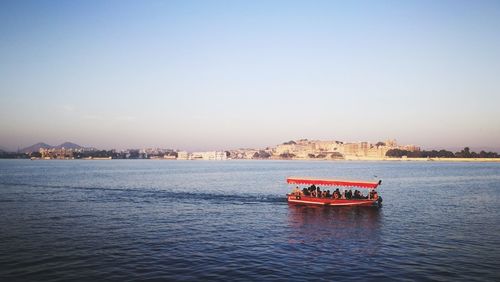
388 159
366 159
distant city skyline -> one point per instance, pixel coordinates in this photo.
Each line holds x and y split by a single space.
209 75
70 145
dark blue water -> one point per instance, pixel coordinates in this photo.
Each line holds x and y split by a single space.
196 220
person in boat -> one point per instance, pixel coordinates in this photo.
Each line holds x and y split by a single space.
318 192
310 189
360 195
313 193
296 191
305 192
328 194
336 194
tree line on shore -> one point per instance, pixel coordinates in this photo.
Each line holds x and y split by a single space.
465 153
136 154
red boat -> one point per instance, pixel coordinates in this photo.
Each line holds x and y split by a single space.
335 199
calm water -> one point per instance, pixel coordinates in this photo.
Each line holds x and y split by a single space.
196 220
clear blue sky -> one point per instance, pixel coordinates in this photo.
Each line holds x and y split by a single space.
226 74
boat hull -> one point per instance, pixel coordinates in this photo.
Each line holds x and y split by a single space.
306 200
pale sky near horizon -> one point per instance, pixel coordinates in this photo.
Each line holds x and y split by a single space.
200 75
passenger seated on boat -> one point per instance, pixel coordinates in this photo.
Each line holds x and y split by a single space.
336 194
296 191
356 194
311 188
328 194
360 195
324 194
318 192
305 192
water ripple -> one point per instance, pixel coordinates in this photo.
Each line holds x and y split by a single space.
129 221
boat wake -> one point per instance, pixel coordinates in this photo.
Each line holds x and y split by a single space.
137 193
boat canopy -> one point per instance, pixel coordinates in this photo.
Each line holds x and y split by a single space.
333 182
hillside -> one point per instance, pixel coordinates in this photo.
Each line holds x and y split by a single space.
36 147
68 145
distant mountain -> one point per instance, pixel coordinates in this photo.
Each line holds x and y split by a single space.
36 147
68 145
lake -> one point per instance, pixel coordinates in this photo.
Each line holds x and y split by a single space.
127 220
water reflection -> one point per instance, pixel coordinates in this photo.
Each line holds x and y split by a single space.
351 229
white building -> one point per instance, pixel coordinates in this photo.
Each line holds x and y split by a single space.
208 156
182 155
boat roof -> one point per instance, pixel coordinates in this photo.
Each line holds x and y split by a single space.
334 182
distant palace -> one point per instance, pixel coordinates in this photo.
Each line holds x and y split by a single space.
320 149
